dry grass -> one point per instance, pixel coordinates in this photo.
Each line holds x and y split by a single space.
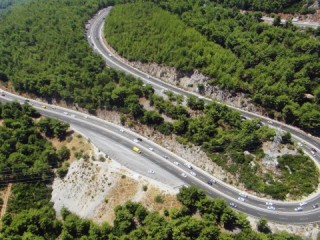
169 201
75 142
129 189
125 189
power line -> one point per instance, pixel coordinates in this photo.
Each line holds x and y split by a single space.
26 180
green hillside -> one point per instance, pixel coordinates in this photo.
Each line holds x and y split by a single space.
277 66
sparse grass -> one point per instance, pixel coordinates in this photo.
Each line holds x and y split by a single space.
69 139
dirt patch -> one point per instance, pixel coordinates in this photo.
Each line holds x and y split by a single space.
304 18
75 143
92 189
307 231
168 201
5 194
124 189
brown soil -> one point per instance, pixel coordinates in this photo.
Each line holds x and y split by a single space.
74 142
5 197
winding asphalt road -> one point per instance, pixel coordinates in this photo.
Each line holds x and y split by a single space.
254 206
168 166
118 144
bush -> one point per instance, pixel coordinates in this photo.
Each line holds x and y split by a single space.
262 226
158 199
78 155
62 171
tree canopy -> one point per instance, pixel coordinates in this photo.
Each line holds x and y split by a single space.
134 221
277 66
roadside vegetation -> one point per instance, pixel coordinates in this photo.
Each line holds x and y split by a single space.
58 63
143 31
44 53
235 144
25 154
285 6
199 218
276 66
26 151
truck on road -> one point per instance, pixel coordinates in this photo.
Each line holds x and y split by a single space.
136 149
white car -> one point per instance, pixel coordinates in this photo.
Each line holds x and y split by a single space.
151 149
298 209
110 55
242 194
303 204
270 122
269 203
65 113
176 163
211 181
86 117
183 175
233 205
271 208
151 171
72 115
121 130
300 144
241 199
188 165
136 140
193 173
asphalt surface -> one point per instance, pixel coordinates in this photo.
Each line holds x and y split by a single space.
284 211
118 145
166 165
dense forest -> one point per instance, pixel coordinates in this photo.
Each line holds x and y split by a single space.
277 66
24 152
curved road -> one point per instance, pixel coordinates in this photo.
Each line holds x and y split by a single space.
253 205
108 137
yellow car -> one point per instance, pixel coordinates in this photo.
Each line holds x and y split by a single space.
43 106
